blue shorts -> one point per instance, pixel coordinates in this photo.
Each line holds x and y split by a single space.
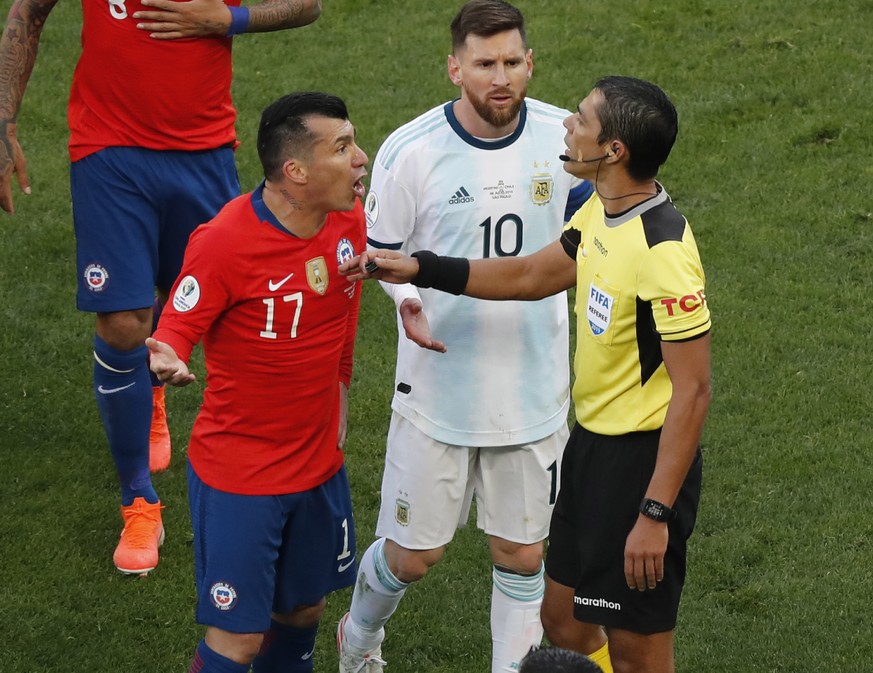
254 555
133 211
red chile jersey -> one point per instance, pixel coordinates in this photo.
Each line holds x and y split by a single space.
278 326
132 90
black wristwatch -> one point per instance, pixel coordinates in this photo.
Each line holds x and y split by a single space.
657 511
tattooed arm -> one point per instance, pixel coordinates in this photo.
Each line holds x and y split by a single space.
170 20
18 48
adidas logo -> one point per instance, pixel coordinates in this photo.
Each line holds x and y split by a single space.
461 196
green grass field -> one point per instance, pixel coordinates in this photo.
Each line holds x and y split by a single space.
773 167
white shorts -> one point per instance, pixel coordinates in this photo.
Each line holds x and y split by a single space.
428 487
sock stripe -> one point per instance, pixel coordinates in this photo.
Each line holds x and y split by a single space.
383 572
525 588
111 369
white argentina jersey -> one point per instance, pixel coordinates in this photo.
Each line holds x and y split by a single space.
505 377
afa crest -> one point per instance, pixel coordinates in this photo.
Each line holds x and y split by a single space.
401 512
541 188
316 274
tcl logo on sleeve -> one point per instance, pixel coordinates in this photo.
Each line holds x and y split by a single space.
689 303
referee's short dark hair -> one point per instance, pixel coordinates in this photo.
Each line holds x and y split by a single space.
643 117
283 132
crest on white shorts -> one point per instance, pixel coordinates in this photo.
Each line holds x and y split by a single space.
401 512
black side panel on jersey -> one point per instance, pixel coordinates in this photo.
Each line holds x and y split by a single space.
663 223
648 341
571 239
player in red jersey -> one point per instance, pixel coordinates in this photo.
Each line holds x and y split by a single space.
270 503
151 144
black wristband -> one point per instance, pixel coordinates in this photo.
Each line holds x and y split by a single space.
447 274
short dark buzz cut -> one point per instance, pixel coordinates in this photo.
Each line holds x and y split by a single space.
485 18
283 132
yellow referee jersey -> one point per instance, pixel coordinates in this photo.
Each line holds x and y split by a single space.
639 281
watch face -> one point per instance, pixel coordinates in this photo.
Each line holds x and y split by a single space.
655 510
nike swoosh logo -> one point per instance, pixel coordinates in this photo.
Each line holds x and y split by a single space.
109 391
343 566
308 655
275 286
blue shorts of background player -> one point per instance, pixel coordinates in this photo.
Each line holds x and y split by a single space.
133 211
264 565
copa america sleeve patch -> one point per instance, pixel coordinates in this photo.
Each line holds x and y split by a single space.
187 294
371 209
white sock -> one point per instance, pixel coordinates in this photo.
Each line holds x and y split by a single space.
377 595
515 617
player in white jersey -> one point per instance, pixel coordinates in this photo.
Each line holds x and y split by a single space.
483 409
440 188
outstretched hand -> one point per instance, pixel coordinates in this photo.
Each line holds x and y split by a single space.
169 20
386 265
417 327
11 161
166 365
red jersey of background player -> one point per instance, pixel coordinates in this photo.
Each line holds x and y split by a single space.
278 325
132 90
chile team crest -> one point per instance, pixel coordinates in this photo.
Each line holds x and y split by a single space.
96 277
344 250
223 596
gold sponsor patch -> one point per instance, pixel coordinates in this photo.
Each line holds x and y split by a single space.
316 274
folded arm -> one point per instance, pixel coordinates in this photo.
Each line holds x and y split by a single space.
171 20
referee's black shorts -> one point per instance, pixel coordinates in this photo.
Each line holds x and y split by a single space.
603 480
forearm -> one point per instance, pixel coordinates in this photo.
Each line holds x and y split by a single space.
531 277
680 437
280 14
18 49
501 278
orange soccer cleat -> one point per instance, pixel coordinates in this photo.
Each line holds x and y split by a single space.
159 435
137 550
